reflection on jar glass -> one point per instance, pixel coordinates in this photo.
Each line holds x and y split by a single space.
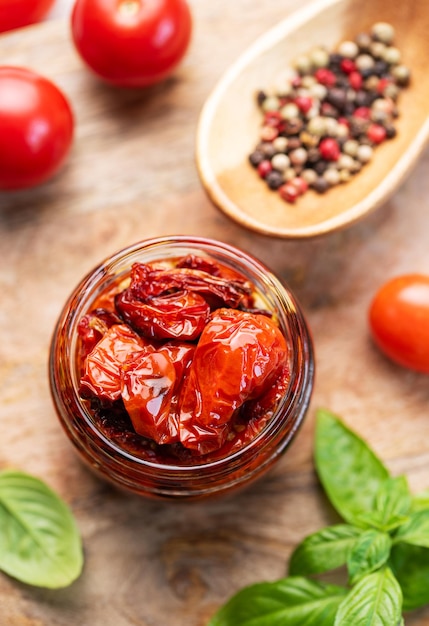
209 374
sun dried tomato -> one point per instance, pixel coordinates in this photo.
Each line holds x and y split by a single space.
151 385
181 315
102 367
191 399
194 262
148 282
238 357
93 326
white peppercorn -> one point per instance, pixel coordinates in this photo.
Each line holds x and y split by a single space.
332 176
309 176
382 31
271 103
401 74
289 111
348 49
364 153
280 162
377 49
392 55
319 57
364 62
298 156
280 144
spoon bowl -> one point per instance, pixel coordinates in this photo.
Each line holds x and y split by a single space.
230 121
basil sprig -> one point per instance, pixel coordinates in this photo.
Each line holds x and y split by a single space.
383 544
39 541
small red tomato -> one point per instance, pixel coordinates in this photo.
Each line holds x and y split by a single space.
36 128
399 321
131 43
17 13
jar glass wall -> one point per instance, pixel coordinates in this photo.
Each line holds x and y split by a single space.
204 476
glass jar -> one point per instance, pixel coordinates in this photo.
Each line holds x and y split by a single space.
202 477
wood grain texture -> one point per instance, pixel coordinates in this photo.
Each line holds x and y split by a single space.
132 175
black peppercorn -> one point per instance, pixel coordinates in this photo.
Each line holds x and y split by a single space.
320 185
320 167
256 157
313 155
260 97
274 179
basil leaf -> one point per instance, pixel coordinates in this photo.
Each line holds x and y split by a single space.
393 499
349 471
410 564
376 519
416 530
294 601
420 501
39 541
324 550
370 552
375 601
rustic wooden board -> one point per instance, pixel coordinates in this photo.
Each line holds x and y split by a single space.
131 175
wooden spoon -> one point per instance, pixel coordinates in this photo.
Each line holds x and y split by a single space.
230 120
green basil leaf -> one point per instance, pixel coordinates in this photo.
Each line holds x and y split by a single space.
349 471
420 501
393 499
410 564
39 542
294 601
376 600
370 552
416 530
376 520
324 550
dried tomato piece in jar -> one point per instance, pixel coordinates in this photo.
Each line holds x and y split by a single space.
148 282
93 326
238 357
151 386
102 366
181 315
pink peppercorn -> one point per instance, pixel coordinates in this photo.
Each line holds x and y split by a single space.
268 133
348 66
382 84
304 103
272 118
264 168
289 192
325 77
300 184
355 80
329 149
376 133
362 112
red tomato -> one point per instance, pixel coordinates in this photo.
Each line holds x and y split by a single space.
399 321
17 13
131 43
36 128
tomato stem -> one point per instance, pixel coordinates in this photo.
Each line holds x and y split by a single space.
129 8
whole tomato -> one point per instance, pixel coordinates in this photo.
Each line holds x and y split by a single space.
36 128
399 320
131 43
17 13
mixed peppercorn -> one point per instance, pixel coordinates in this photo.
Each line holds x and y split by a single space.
321 125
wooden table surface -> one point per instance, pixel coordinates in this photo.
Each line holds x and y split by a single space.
132 175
